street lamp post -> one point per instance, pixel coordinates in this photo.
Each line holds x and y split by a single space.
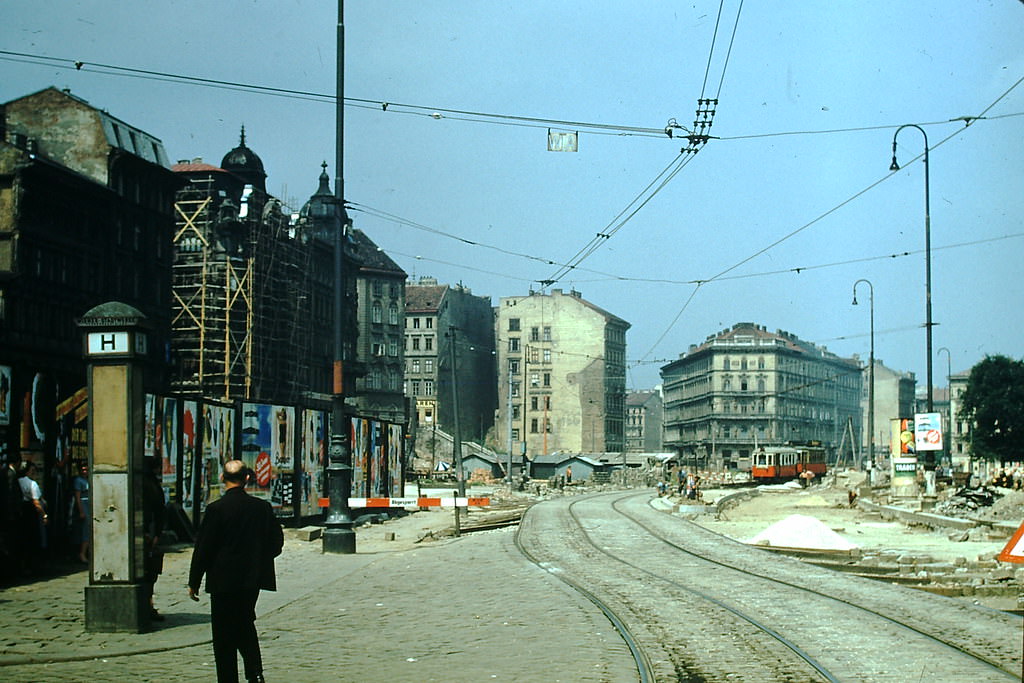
927 252
871 369
339 535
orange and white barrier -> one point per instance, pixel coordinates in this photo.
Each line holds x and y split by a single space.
461 502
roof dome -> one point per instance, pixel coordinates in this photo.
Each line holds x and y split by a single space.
321 203
246 164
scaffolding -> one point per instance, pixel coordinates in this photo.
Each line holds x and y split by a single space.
243 326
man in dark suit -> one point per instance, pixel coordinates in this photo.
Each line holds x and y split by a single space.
237 542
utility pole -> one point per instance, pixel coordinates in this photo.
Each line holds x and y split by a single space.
508 410
456 428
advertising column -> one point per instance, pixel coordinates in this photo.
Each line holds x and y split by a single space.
115 345
903 458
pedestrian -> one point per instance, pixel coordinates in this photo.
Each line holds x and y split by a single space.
154 515
237 542
34 519
568 474
81 518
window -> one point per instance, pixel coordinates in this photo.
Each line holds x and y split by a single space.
415 343
377 287
547 355
513 366
428 387
534 424
547 379
515 414
547 333
513 324
515 388
377 312
428 343
760 363
515 435
393 315
416 366
430 323
547 403
393 348
428 365
415 323
534 379
513 344
534 334
743 384
534 403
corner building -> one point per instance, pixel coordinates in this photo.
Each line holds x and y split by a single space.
561 374
747 387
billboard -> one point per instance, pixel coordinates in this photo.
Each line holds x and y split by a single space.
928 431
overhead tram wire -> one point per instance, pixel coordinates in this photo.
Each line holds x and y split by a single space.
697 138
820 217
603 276
379 105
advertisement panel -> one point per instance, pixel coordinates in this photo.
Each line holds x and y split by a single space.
904 458
189 466
928 431
312 461
268 449
217 448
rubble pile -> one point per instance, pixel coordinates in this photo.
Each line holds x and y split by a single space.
966 501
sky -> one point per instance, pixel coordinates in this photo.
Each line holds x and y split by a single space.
446 167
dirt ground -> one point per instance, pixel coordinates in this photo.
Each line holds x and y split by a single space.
829 504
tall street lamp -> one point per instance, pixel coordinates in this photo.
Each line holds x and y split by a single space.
927 252
339 535
871 368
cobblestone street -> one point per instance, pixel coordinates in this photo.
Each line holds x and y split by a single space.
468 609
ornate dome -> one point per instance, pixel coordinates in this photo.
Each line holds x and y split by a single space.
321 203
245 164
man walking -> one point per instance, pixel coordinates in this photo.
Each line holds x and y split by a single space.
237 542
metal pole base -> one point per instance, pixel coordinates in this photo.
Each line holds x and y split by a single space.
116 608
339 541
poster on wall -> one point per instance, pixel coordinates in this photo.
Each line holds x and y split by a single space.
312 460
395 444
268 449
904 459
171 447
378 467
218 434
5 395
360 455
189 467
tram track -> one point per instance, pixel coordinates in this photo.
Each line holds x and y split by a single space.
630 561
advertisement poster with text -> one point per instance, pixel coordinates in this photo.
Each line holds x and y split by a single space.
268 449
312 460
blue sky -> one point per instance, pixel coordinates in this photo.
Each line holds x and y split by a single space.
777 217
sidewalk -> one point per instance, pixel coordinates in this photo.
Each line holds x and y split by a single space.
44 621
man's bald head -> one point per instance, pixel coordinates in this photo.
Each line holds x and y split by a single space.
235 473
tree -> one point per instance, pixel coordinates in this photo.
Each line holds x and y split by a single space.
994 406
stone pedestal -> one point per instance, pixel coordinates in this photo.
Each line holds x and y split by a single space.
113 608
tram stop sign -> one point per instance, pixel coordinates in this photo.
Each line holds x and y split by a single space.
1014 550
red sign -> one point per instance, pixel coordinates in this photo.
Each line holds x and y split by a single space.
263 470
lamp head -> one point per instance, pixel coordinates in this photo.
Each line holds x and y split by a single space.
855 298
894 166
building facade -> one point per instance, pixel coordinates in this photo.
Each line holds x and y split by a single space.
86 218
253 286
745 387
958 435
894 398
432 311
380 324
561 374
644 419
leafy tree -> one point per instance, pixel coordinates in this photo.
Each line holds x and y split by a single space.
994 405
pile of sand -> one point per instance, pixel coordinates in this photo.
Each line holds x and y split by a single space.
801 531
